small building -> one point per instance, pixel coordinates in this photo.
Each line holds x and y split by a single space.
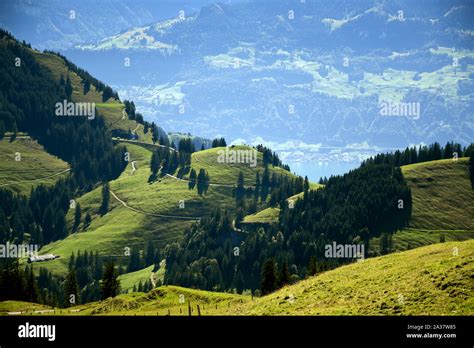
41 258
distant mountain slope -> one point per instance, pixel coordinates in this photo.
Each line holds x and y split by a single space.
51 25
432 280
302 75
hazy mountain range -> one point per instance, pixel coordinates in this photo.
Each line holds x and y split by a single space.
306 77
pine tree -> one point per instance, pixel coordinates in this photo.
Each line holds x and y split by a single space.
31 287
192 179
87 220
2 129
154 133
150 254
155 162
71 289
77 216
68 87
240 190
134 262
283 275
104 208
257 187
269 280
87 86
140 286
110 286
442 238
312 267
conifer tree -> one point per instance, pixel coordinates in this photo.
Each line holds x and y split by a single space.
77 216
104 208
71 289
283 275
269 280
110 286
312 267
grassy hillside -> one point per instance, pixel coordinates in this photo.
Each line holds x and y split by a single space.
413 238
442 195
35 166
152 211
128 280
112 110
443 205
431 280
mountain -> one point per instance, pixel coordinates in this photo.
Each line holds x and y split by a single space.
62 24
308 79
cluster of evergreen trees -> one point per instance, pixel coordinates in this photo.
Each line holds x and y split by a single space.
277 187
201 181
219 142
132 114
351 209
88 279
270 157
139 260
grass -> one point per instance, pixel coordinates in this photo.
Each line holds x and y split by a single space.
35 165
413 238
266 216
128 280
20 306
443 204
442 195
430 280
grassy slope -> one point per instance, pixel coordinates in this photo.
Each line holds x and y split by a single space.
442 195
426 281
443 204
35 167
128 280
121 227
112 110
431 280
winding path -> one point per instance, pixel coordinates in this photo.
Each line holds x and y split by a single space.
153 214
46 177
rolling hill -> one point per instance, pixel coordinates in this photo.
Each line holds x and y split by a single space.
431 280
